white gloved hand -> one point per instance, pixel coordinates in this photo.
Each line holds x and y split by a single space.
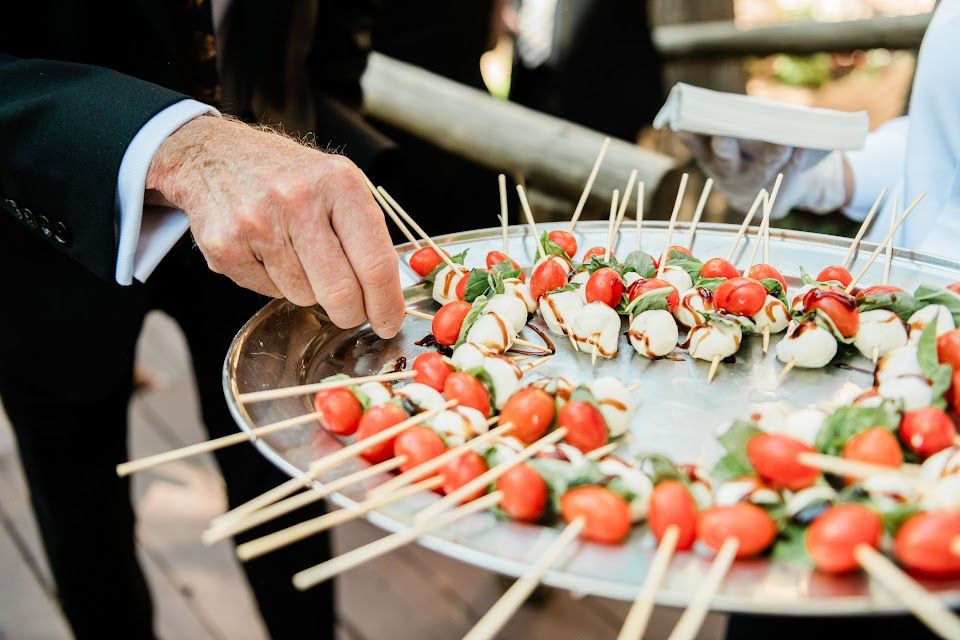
812 179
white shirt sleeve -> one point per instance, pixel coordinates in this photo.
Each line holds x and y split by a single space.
148 233
880 164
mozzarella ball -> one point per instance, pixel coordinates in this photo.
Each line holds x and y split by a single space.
598 325
562 260
445 284
744 490
797 502
615 402
504 449
423 396
898 363
769 416
890 489
559 309
693 303
807 345
945 494
510 307
774 314
469 356
581 278
677 277
880 332
492 331
514 287
377 392
636 481
942 463
654 333
913 391
504 375
716 339
925 316
458 425
803 425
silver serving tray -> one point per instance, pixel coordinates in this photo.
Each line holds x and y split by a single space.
677 415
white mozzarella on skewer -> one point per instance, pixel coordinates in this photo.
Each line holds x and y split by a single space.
774 314
715 339
636 481
521 290
898 363
797 502
492 331
880 332
942 463
945 494
445 285
598 325
677 277
890 489
744 490
925 316
581 278
458 425
559 309
505 376
504 449
562 260
510 307
913 391
693 303
377 392
469 356
654 333
425 397
615 402
807 345
803 425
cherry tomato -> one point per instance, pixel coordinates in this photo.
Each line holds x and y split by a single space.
948 348
432 370
836 532
462 470
607 515
496 257
927 430
955 287
461 290
375 420
677 247
467 391
419 444
922 544
840 306
763 271
718 268
775 459
749 524
448 321
740 296
548 275
953 393
640 287
524 493
341 410
875 445
586 428
671 503
594 251
531 412
425 260
564 240
606 286
837 273
878 290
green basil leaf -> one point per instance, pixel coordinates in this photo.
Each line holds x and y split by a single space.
640 263
928 294
570 286
791 545
710 284
688 263
649 300
560 476
734 440
775 288
731 320
894 517
481 374
505 270
596 262
662 468
582 393
619 487
848 421
939 375
477 285
550 247
458 258
475 312
806 278
900 302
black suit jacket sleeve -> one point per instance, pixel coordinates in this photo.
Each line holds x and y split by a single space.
64 128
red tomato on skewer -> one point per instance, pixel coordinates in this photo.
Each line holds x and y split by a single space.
594 251
586 428
922 544
671 503
876 445
774 457
927 430
467 391
749 524
461 290
764 271
837 532
431 369
718 268
341 410
462 470
496 257
878 290
375 420
640 287
448 320
948 348
524 493
955 287
565 240
418 444
425 260
607 515
677 247
837 273
530 411
606 286
740 296
548 275
840 306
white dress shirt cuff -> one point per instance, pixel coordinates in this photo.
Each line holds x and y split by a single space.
147 235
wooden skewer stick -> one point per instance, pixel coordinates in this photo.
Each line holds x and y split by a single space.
601 452
875 355
761 197
927 607
855 243
888 263
636 385
766 241
536 363
301 530
418 314
532 345
714 365
692 619
639 615
458 268
504 213
569 333
504 608
238 525
765 344
148 462
772 197
594 350
624 203
876 252
612 223
672 223
589 185
487 477
859 469
427 316
698 212
640 189
306 389
786 369
764 222
355 557
393 215
521 192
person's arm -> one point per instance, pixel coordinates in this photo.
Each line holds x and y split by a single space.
879 165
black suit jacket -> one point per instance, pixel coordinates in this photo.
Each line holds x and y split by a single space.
78 79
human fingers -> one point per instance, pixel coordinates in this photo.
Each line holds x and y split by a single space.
244 269
725 156
283 266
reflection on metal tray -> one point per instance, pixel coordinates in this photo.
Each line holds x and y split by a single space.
677 415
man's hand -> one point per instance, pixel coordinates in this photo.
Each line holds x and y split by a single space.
283 219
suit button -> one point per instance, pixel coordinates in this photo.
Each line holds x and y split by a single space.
29 218
44 223
60 233
12 208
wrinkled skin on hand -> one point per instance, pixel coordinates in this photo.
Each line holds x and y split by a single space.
282 219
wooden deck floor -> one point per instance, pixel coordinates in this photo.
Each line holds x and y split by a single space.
200 592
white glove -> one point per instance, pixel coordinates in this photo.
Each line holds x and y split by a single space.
812 179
